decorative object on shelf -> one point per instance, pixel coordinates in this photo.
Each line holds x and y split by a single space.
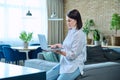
87 29
115 40
28 13
26 37
104 41
53 15
96 37
115 25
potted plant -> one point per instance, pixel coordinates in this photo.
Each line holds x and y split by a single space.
115 25
115 22
96 37
87 29
26 37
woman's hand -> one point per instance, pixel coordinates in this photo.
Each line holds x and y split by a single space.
59 52
56 46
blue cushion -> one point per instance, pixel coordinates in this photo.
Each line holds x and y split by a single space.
50 56
95 54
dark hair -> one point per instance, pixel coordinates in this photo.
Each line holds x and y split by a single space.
74 14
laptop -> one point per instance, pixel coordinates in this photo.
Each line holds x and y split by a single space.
44 45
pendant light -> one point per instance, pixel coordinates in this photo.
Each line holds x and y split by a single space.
28 13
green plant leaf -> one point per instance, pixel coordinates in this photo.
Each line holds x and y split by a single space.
115 22
88 24
25 37
96 35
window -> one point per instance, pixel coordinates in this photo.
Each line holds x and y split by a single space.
13 19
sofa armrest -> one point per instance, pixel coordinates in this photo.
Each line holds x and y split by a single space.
40 64
40 56
101 65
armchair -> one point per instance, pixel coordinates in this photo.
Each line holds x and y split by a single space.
1 50
33 53
12 55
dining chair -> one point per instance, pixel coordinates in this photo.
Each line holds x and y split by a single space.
35 44
33 53
1 50
12 55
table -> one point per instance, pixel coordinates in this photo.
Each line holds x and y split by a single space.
15 72
26 50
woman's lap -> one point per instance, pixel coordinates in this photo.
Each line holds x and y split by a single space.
53 74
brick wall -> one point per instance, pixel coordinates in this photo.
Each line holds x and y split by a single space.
98 10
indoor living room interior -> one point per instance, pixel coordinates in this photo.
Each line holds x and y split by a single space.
23 22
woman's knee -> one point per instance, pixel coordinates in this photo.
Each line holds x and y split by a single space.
53 73
69 76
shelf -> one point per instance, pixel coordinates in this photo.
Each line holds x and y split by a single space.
108 46
56 19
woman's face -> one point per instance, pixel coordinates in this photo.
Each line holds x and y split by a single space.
71 23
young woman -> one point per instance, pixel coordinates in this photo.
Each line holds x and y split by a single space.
73 54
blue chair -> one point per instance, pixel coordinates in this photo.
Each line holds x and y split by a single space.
1 50
35 44
33 53
12 55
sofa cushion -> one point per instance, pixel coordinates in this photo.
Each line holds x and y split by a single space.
112 55
40 64
104 73
95 54
100 71
50 56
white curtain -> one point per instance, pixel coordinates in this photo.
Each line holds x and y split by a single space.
13 20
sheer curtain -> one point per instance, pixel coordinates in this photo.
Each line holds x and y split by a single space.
13 20
55 25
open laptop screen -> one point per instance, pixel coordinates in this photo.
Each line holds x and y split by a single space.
43 41
44 45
